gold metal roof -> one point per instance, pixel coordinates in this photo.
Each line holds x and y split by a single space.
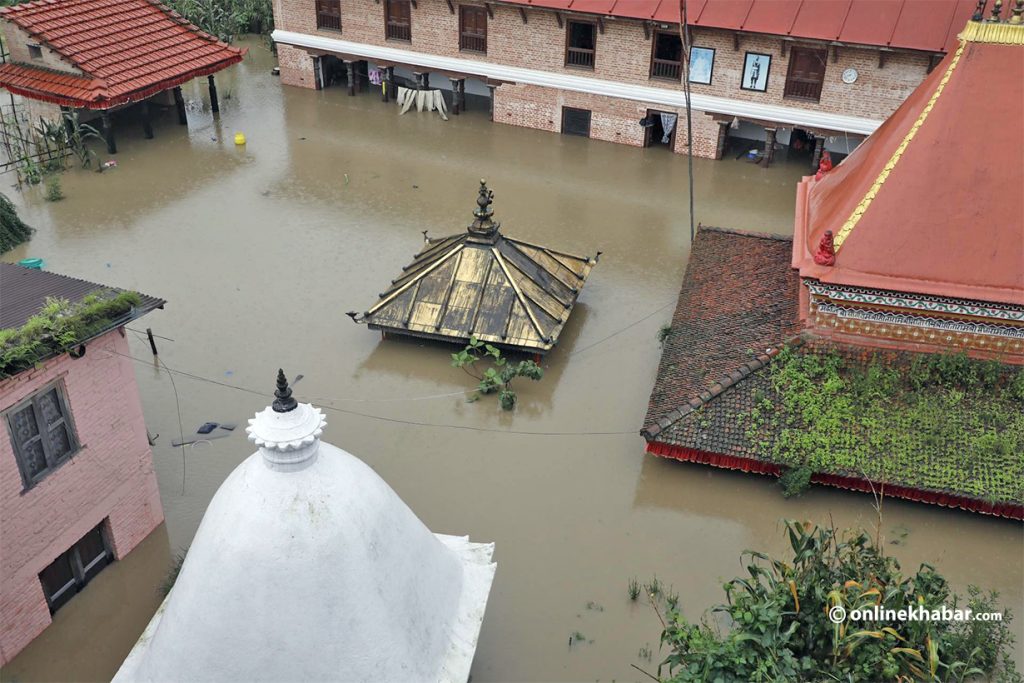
481 283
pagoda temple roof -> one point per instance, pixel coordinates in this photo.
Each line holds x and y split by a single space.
124 51
481 283
932 202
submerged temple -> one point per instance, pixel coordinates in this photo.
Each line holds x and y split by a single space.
481 283
308 567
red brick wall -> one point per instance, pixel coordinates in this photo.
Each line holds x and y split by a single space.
111 476
623 54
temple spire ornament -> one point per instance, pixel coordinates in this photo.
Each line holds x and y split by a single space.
997 8
283 401
483 225
1018 11
979 11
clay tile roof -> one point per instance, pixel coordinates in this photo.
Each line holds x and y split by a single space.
928 25
126 49
24 293
484 284
932 202
738 303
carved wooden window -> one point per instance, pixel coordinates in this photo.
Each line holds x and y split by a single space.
576 121
472 28
76 567
328 15
580 44
667 56
806 73
398 19
41 433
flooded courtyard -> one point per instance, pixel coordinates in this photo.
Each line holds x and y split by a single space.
261 249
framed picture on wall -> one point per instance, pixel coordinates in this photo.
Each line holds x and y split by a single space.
755 71
702 64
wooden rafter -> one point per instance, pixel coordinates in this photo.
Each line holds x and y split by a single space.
490 10
561 21
522 13
600 25
451 7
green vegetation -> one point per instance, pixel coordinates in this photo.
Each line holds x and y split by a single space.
172 572
12 230
54 192
60 326
938 422
498 378
227 18
777 625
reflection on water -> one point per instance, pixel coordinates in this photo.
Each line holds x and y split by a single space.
260 250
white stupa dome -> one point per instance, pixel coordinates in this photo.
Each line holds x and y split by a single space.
307 566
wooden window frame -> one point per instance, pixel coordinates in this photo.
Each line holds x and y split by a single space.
67 420
325 21
654 51
389 32
590 120
81 572
787 88
466 40
593 53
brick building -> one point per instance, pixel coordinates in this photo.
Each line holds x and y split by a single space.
77 486
816 74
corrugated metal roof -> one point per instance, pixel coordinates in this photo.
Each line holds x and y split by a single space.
23 292
482 284
127 49
928 25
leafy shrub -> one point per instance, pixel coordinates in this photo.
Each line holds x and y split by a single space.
13 230
779 628
54 192
796 480
498 378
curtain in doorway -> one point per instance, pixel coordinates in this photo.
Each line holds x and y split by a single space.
668 123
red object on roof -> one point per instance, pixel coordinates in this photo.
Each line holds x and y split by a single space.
928 25
933 201
126 50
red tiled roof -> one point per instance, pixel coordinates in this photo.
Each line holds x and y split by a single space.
931 203
127 49
738 299
929 25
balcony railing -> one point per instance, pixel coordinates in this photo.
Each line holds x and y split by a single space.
579 56
473 43
328 21
803 90
666 68
398 31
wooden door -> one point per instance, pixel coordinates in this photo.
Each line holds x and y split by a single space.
806 73
399 19
473 28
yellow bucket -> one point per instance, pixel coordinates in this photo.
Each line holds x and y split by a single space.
239 138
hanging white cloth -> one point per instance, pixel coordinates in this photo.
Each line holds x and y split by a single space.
430 100
668 123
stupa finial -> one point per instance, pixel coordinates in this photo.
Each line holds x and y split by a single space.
283 401
979 11
997 8
483 225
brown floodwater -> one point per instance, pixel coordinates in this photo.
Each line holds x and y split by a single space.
260 250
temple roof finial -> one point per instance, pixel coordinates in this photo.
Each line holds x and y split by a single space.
979 11
283 401
997 8
1018 11
483 225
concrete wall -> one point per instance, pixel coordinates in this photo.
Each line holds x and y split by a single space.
110 478
623 54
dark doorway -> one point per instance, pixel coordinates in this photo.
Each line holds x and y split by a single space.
576 122
662 132
332 71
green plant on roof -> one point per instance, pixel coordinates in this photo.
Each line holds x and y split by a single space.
499 377
59 326
940 422
777 624
13 230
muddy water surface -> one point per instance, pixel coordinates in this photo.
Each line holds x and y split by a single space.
260 250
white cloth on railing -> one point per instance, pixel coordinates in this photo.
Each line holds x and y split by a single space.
429 100
668 123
